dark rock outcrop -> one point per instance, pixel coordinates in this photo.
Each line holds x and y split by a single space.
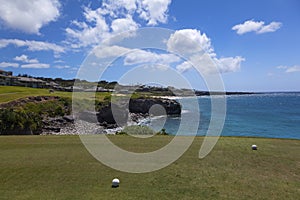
114 115
107 116
56 124
143 106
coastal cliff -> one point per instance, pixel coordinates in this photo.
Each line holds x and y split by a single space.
113 115
143 106
50 114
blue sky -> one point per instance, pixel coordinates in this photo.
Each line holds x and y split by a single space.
254 44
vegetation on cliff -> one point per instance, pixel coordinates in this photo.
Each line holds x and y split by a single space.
27 110
27 117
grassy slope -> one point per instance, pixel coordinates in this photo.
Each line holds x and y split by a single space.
10 93
59 167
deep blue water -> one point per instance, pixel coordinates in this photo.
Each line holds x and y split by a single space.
272 115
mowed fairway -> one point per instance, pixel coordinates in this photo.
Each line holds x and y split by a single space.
59 167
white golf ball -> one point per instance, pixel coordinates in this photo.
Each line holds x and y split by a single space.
115 182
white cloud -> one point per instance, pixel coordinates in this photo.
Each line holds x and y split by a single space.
248 26
229 64
142 56
197 48
7 64
272 27
90 32
59 61
32 45
116 8
281 67
204 63
154 67
189 41
123 24
154 11
288 69
113 17
62 66
30 15
25 59
258 27
184 66
110 51
36 66
293 69
207 65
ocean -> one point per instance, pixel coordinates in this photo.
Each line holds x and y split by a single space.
271 115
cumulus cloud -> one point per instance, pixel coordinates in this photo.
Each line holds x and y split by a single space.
28 16
90 32
189 41
143 56
113 17
197 48
204 63
110 51
258 27
36 66
124 24
32 45
8 64
207 65
25 59
154 11
184 66
290 69
272 27
30 63
229 64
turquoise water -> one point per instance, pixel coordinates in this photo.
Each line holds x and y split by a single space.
272 115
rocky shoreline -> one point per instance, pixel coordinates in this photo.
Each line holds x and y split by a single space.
104 122
44 115
67 125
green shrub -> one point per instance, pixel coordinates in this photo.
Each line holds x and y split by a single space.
162 132
30 116
138 130
12 121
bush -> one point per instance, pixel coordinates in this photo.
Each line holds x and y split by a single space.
137 130
162 132
140 130
29 118
19 121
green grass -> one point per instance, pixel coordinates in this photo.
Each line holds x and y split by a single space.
10 93
59 167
